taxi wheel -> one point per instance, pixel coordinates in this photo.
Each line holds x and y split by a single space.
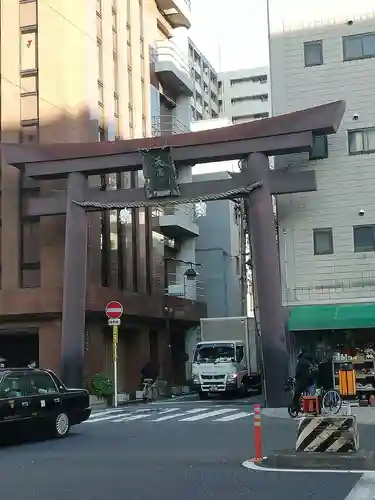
62 425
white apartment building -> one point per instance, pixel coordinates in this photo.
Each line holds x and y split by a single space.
204 102
324 52
244 94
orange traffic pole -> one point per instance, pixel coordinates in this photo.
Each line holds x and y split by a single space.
257 434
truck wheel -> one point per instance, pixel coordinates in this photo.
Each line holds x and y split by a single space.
242 391
202 395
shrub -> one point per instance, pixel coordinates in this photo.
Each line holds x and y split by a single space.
100 385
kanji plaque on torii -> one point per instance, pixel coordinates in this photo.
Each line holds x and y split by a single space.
161 158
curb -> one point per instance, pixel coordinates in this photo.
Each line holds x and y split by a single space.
299 461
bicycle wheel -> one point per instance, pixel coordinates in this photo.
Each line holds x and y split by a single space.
331 402
293 412
155 392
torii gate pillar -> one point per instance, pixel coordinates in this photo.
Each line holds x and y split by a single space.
266 275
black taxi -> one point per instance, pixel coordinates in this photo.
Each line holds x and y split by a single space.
31 397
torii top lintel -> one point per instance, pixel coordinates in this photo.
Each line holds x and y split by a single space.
288 133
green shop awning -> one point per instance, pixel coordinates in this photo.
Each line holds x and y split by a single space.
332 317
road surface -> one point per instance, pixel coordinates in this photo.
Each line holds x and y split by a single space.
177 450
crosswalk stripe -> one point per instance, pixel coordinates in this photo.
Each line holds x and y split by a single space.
143 415
189 412
236 416
101 413
206 415
106 417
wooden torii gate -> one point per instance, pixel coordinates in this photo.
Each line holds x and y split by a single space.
253 141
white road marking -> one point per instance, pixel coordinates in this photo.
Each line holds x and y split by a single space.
260 468
144 415
364 489
105 412
132 417
106 417
169 417
206 415
236 416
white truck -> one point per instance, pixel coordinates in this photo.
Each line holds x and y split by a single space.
226 359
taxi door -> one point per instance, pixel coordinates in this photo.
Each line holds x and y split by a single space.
46 400
15 404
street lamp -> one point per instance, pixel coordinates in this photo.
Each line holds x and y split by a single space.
190 274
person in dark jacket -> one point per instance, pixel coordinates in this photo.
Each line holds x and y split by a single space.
150 370
305 377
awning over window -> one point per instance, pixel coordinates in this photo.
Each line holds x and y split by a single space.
332 317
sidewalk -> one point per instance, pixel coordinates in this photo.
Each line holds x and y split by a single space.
365 415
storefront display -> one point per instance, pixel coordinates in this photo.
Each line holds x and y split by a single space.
362 361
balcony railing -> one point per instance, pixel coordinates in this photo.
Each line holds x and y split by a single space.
180 286
177 12
167 50
190 211
167 125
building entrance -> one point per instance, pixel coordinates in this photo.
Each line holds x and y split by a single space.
19 348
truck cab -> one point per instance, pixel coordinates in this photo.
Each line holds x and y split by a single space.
219 367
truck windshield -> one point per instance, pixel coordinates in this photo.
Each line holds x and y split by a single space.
214 353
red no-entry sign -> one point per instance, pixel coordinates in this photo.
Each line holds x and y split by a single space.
114 309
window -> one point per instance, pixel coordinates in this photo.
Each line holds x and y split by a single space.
130 85
100 92
41 383
114 41
29 84
28 51
100 59
323 241
13 386
130 115
239 353
28 14
313 53
361 141
29 107
116 105
30 253
364 238
319 149
358 46
99 26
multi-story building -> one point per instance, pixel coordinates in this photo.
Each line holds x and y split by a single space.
218 251
204 102
75 72
321 53
244 94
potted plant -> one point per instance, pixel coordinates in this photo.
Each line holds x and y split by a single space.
101 386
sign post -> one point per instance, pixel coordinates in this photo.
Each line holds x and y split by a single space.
114 312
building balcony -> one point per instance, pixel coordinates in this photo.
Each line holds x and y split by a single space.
180 286
167 125
178 221
172 68
177 12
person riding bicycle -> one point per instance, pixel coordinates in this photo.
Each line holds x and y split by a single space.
149 371
305 377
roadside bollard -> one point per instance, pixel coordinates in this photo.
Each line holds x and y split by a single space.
257 434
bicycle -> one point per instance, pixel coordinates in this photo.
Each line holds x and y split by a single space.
330 400
151 389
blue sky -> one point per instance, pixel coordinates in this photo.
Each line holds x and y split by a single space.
231 33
